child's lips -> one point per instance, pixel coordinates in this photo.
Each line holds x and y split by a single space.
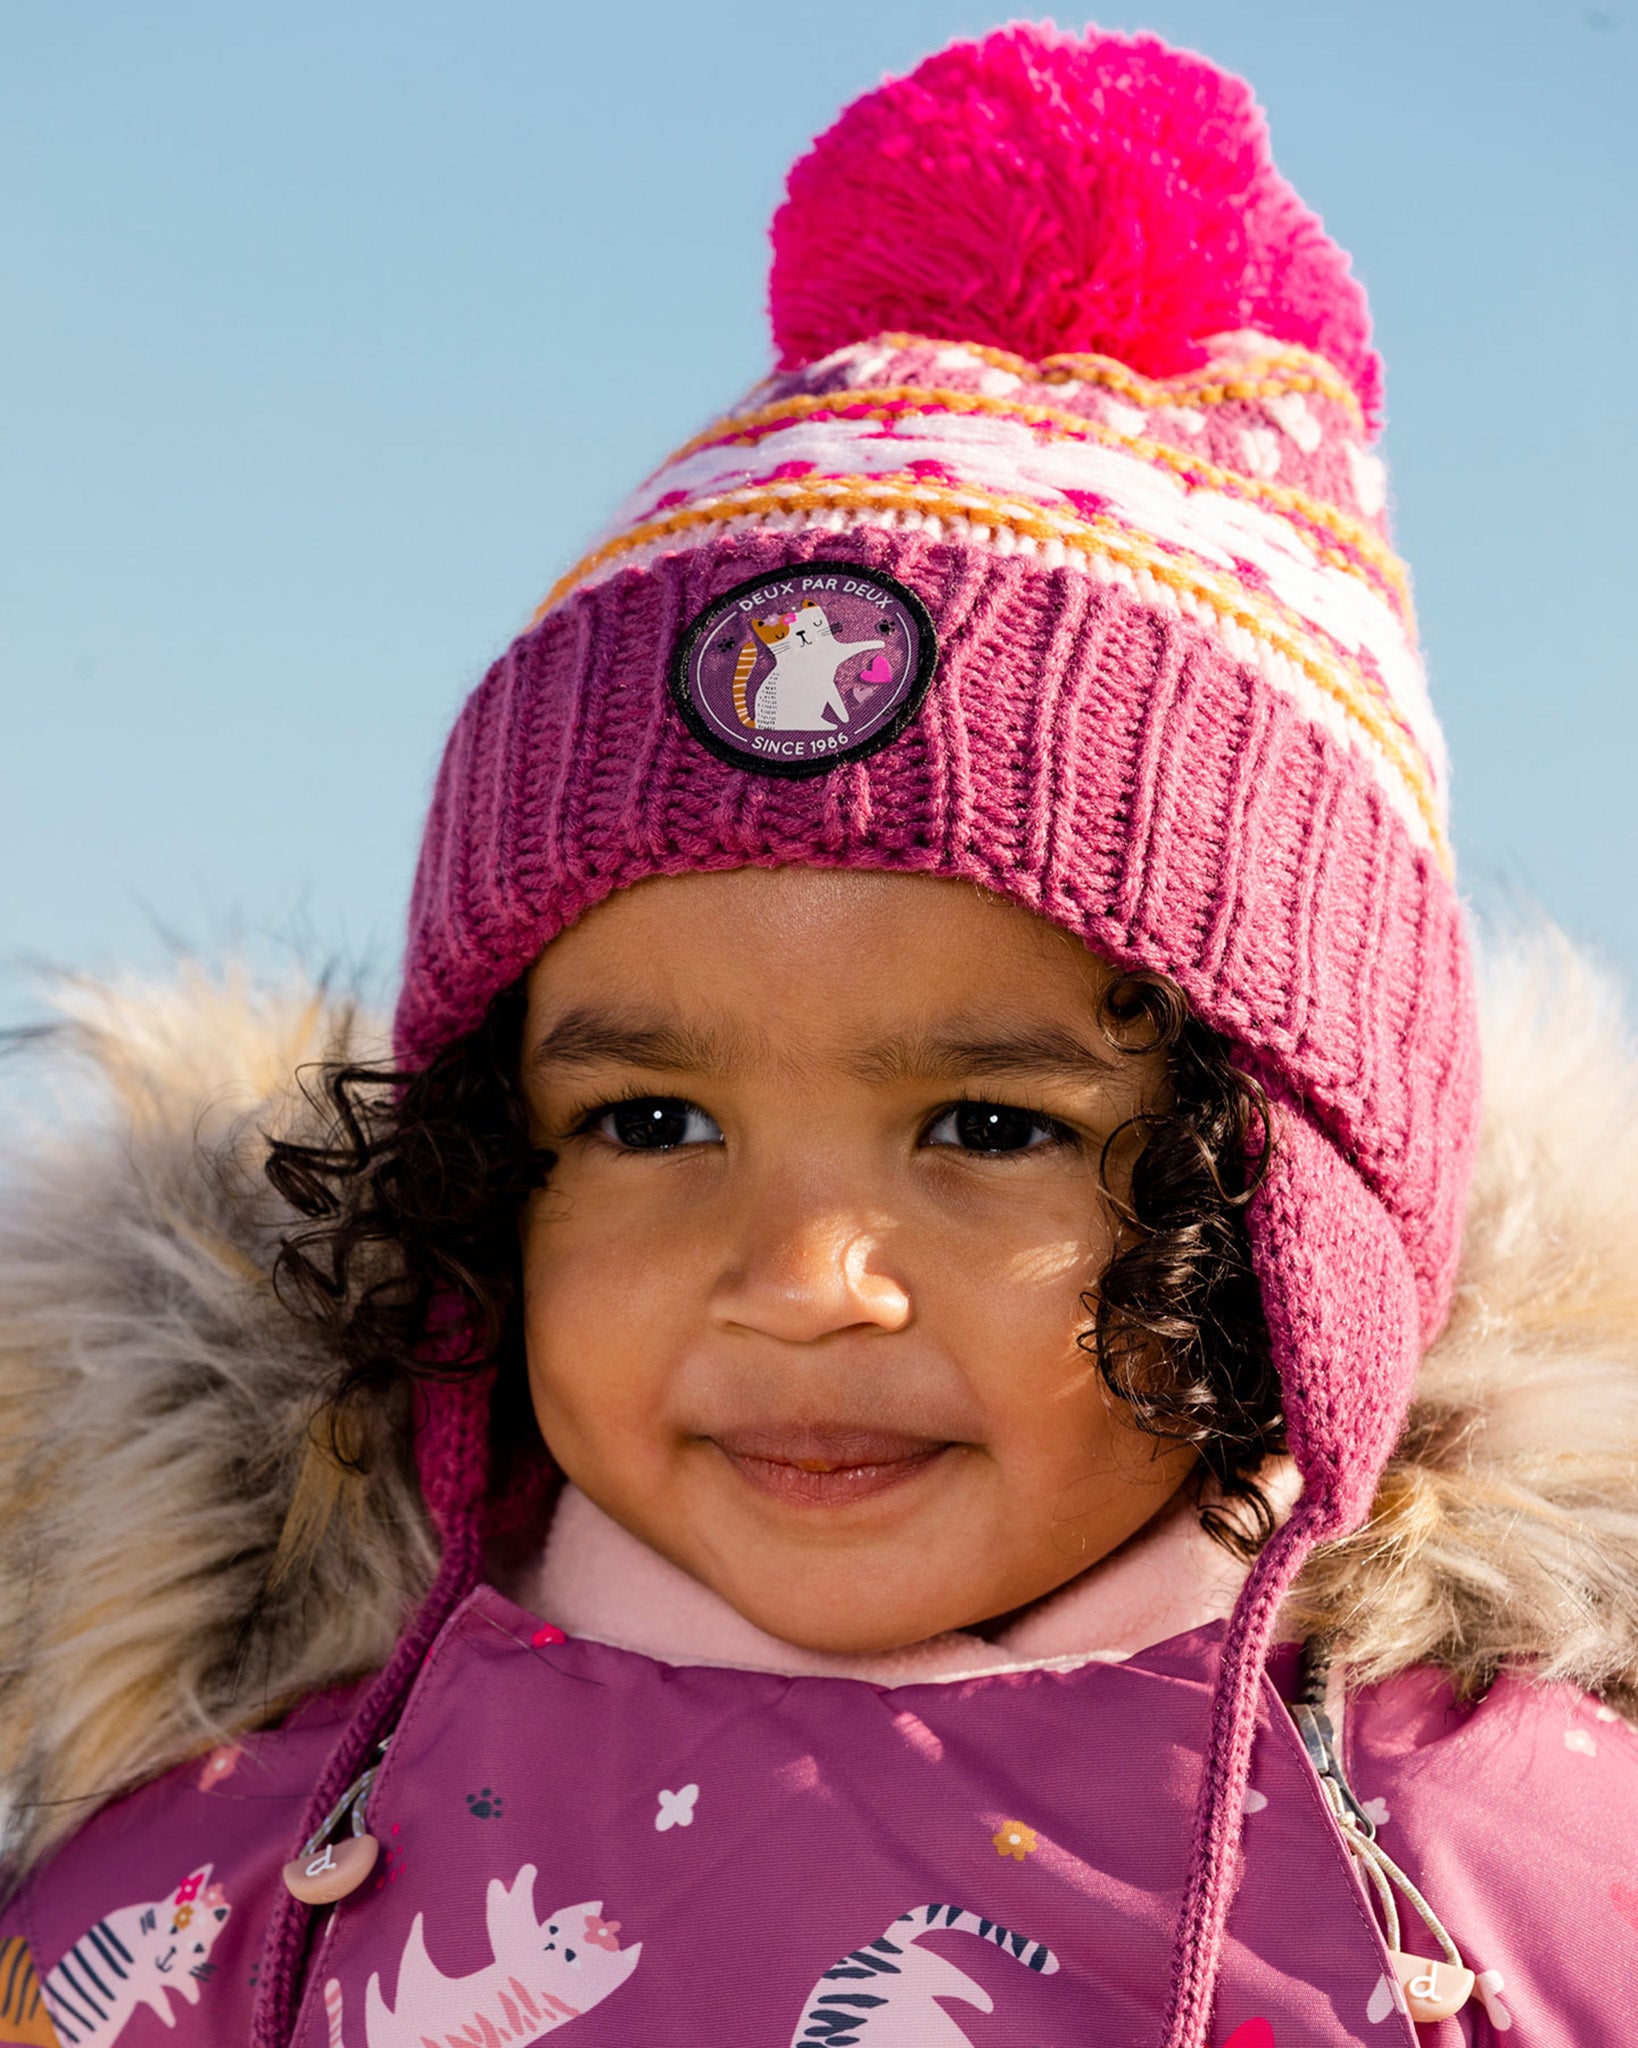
827 1467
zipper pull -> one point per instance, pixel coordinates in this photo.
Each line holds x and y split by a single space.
1319 1738
332 1872
328 1870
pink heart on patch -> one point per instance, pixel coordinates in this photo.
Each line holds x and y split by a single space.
1251 2034
1624 1898
876 670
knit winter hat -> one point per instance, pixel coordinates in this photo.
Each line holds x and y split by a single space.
1051 557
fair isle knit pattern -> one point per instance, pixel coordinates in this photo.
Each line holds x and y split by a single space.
1242 496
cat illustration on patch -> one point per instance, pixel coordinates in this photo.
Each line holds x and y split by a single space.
802 687
544 1974
884 1994
138 1955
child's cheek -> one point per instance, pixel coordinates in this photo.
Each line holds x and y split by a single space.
611 1290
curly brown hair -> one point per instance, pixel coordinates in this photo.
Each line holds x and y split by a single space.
409 1202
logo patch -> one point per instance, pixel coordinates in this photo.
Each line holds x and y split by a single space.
803 669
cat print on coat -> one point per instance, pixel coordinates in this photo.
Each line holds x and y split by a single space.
24 2021
138 1955
802 687
544 1974
884 1995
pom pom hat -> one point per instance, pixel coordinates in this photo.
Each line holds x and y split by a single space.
1050 557
1048 195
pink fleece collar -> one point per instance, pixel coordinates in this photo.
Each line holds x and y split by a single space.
596 1579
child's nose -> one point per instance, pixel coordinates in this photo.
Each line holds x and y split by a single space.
800 1278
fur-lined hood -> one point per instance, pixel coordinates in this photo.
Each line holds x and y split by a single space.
180 1559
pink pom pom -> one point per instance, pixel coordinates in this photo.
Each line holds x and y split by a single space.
1046 194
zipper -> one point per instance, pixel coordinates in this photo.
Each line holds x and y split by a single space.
1425 1988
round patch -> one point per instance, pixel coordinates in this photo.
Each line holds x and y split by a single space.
806 668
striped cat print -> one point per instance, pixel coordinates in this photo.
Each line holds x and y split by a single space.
24 2021
145 1954
883 1995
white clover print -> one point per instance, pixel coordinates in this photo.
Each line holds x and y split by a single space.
676 1809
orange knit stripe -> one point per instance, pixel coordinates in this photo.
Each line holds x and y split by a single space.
1332 677
1265 376
882 400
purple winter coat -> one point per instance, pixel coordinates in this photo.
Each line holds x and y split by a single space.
665 1856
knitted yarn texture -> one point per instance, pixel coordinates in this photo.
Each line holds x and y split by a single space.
1063 358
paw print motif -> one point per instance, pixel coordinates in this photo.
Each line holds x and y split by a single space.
1580 1741
1376 1812
484 1805
676 1809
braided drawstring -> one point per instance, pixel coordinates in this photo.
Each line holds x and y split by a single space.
1214 1863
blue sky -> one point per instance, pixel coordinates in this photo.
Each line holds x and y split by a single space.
332 331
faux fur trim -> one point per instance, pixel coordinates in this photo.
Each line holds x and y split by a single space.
180 1559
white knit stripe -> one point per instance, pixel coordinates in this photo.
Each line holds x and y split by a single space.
1006 457
1317 705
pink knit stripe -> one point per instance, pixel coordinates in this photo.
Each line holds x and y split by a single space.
571 744
1204 412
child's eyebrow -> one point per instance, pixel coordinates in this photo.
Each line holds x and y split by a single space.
586 1037
583 1038
1044 1052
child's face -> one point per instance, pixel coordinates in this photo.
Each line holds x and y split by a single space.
803 1292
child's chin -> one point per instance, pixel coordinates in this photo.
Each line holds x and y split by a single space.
843 1620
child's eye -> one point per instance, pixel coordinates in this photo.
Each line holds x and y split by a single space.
654 1123
994 1127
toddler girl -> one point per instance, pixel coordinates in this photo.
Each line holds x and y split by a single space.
863 1440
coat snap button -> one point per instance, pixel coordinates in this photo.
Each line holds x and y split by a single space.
333 1871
